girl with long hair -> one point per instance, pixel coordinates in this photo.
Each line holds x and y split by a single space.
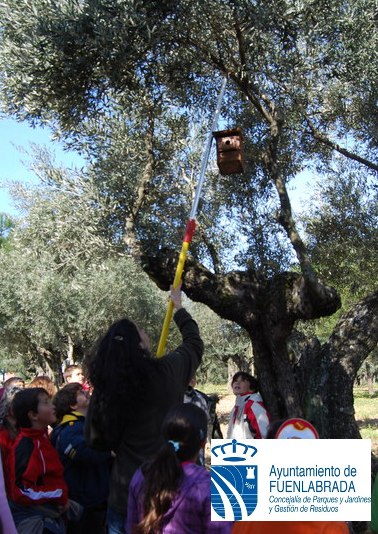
132 393
171 493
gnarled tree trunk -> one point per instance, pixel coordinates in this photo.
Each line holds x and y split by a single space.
320 388
330 375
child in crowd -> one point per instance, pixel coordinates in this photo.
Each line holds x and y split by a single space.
86 471
37 486
249 417
8 430
14 381
7 525
171 493
197 397
73 373
201 400
43 381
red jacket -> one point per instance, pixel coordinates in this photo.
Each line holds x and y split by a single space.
35 470
6 443
249 418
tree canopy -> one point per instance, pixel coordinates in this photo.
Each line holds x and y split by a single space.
299 86
67 59
63 282
345 218
62 285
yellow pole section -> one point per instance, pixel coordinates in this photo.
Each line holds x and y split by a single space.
169 312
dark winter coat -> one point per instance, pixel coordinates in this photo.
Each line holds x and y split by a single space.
141 433
86 470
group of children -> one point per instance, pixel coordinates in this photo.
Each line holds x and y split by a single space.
57 484
54 482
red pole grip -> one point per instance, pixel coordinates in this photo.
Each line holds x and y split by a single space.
189 230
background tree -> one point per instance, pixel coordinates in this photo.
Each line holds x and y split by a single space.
6 225
368 372
227 347
299 86
344 217
63 281
61 285
341 222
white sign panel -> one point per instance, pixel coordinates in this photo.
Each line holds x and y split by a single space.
291 480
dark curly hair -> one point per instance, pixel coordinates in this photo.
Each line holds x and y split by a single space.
121 372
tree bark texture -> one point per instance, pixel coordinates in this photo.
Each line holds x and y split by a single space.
331 375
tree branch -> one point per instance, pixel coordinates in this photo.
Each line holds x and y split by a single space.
241 296
216 261
355 335
321 137
335 146
130 239
225 294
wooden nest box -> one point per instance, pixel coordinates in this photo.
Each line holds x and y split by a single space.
229 151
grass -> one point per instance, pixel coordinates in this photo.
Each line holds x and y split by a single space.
366 408
219 389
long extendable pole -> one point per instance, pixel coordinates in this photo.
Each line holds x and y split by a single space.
191 224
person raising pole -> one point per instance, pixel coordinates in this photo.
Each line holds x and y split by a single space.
132 394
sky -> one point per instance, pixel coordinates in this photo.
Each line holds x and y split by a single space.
17 136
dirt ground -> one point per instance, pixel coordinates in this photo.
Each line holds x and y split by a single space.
224 407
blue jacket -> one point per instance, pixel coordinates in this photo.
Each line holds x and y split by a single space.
86 471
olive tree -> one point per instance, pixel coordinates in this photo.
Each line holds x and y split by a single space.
301 86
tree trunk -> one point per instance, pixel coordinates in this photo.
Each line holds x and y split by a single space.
330 377
320 386
369 379
266 308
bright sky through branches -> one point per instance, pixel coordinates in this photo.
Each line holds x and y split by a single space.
16 138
